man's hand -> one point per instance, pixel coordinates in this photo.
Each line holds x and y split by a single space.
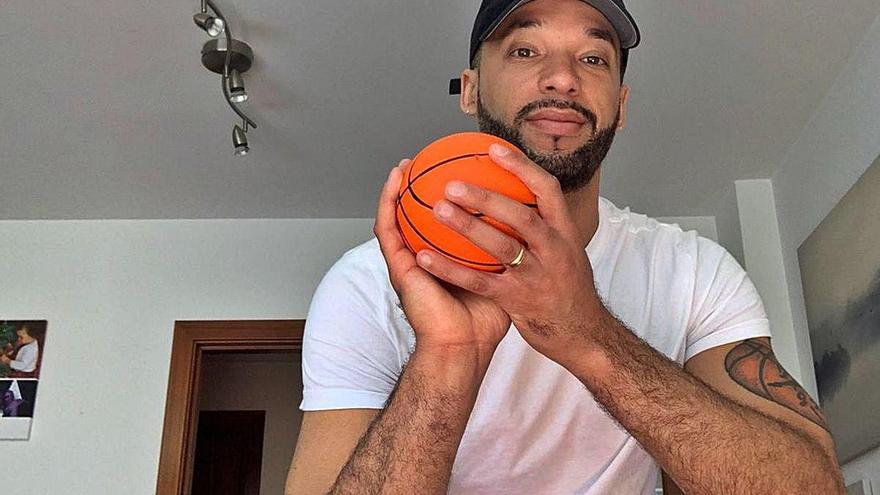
441 317
5 359
551 295
411 445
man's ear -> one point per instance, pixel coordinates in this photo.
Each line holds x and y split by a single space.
624 97
469 91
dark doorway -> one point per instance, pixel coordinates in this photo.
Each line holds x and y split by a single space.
229 452
193 342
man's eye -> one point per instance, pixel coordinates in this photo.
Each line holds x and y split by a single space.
593 60
523 52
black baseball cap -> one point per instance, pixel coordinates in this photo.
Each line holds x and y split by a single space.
493 12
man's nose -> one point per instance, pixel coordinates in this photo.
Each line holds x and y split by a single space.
560 76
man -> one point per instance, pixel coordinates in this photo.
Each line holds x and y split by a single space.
632 345
11 401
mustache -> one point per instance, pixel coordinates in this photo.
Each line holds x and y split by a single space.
560 104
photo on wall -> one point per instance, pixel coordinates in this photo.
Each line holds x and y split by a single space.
17 400
21 348
21 356
18 397
840 270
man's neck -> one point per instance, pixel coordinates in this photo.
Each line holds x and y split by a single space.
583 205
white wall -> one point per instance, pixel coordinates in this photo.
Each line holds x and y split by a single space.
835 148
762 249
728 224
111 291
259 382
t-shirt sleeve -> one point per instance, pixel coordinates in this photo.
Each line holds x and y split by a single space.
349 359
726 306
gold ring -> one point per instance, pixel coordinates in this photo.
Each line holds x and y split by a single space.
519 258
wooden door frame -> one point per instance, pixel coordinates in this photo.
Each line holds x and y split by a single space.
191 340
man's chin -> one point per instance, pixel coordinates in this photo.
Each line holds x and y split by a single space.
546 144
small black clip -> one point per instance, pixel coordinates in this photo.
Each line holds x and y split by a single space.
455 86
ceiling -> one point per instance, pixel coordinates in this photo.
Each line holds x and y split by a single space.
108 113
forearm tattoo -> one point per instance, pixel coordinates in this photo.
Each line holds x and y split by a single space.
753 365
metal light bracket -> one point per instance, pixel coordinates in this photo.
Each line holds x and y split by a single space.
214 55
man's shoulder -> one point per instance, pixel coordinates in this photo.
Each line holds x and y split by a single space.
665 241
360 269
649 229
363 259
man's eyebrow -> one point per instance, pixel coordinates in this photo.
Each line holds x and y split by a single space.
602 34
528 22
518 23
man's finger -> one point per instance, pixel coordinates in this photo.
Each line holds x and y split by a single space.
482 283
526 221
551 202
385 227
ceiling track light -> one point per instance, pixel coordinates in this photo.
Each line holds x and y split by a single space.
235 87
212 25
239 139
230 58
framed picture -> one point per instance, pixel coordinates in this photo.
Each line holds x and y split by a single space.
21 356
840 269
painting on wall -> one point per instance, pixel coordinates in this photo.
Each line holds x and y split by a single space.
840 269
21 356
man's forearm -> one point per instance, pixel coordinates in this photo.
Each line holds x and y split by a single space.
705 441
411 445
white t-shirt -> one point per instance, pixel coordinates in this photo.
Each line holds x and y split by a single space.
535 428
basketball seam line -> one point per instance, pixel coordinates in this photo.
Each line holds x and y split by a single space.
438 248
410 181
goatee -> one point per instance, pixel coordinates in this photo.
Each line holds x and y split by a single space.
574 170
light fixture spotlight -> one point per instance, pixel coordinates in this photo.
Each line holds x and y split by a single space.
239 140
230 58
212 25
235 87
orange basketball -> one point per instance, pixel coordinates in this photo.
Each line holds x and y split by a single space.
463 157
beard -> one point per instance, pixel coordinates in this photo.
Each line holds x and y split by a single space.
575 169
